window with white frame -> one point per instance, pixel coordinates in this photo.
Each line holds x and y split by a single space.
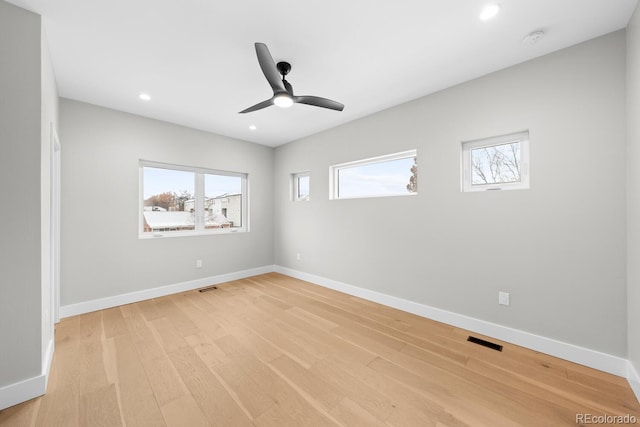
301 186
389 175
182 200
497 163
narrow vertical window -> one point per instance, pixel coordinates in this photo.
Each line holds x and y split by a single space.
301 186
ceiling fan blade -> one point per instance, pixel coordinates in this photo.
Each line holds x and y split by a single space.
258 106
317 101
269 68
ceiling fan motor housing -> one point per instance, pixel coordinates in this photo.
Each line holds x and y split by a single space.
283 68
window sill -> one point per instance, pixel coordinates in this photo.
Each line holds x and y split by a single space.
165 234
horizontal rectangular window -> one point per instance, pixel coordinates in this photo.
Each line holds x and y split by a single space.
182 200
300 186
497 163
390 175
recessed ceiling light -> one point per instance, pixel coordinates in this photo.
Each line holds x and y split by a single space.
489 11
145 97
252 127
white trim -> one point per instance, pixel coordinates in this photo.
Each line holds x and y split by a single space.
22 391
30 388
573 353
634 379
46 363
55 222
116 300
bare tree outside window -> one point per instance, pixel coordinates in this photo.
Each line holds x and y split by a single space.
496 164
412 186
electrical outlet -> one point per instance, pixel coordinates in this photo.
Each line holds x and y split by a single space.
198 263
298 256
503 298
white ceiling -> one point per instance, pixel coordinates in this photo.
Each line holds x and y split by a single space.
196 58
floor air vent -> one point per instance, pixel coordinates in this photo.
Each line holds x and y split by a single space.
484 343
210 288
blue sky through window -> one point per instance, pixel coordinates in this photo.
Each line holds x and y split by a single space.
375 179
158 181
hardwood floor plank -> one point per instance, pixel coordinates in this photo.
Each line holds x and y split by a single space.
178 318
218 407
60 408
164 380
114 323
147 341
288 398
456 397
260 347
352 415
183 412
247 393
315 386
136 398
23 415
397 392
207 350
100 408
372 400
170 338
149 310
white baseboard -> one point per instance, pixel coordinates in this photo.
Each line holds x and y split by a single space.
31 388
46 363
573 353
634 379
22 391
116 300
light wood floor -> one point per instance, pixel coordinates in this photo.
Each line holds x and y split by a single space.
276 351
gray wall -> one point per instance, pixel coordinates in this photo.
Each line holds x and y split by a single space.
558 248
633 189
102 255
20 139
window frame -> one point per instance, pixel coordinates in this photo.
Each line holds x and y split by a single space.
295 186
199 200
334 174
465 162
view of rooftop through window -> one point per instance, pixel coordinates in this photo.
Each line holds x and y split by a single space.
171 201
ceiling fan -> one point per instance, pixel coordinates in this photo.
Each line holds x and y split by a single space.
282 90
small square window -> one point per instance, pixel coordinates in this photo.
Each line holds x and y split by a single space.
498 163
301 189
